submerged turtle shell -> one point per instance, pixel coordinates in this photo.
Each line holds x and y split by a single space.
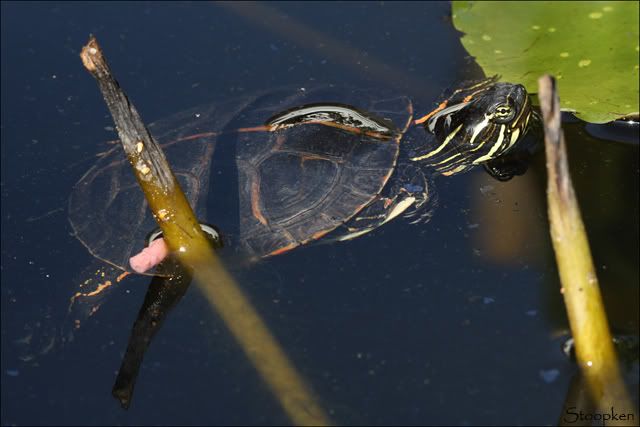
297 179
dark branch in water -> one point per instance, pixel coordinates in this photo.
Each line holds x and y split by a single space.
155 177
162 295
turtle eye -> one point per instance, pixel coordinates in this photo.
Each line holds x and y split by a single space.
503 113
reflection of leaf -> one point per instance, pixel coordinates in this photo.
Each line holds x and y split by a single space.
591 48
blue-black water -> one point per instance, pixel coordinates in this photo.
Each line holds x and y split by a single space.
456 321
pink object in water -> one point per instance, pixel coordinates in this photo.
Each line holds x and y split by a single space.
150 256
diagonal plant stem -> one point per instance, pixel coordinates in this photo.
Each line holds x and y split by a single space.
185 238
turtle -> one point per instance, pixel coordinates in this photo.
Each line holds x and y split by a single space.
326 163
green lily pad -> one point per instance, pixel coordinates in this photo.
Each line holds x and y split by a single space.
590 47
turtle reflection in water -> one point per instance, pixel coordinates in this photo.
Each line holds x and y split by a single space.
309 163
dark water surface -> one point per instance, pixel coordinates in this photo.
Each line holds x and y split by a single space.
457 321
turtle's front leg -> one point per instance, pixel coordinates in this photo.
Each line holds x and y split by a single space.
408 193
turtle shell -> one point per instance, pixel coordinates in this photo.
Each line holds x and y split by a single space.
316 167
307 161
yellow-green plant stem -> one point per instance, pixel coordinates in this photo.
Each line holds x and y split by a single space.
587 318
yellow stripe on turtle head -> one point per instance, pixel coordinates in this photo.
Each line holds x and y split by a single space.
494 148
441 147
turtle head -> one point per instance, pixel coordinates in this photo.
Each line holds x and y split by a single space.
476 124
